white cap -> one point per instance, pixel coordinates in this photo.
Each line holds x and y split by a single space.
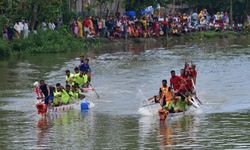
36 84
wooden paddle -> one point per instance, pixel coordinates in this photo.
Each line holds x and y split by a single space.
190 100
98 96
196 97
155 96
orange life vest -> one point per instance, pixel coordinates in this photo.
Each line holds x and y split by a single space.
166 93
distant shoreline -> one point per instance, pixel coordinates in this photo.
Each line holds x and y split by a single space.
60 42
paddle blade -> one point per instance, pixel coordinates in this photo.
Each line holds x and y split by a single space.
194 103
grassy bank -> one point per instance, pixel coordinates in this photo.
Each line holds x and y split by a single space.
213 35
46 42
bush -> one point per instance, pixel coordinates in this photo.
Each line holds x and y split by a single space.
3 21
4 48
49 42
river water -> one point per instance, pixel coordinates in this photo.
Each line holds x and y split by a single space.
123 79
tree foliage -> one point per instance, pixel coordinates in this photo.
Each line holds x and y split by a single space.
31 9
240 7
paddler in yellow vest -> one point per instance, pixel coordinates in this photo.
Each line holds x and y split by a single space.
77 72
67 95
77 93
166 100
69 78
81 79
57 95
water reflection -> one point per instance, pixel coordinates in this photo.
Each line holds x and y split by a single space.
180 132
43 128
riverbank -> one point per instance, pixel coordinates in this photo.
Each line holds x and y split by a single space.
59 41
62 41
138 44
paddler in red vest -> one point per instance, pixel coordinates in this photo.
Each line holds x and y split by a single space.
186 87
166 100
175 82
183 83
186 67
188 82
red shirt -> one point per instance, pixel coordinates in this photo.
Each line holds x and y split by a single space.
176 80
86 23
37 90
193 73
165 23
189 84
183 83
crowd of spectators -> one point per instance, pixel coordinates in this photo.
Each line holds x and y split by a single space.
123 26
150 26
22 29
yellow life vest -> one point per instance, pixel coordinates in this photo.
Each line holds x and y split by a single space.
57 97
66 97
81 81
76 94
70 79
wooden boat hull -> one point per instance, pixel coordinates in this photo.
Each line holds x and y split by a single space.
77 106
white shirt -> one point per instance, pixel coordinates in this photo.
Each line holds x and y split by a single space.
25 27
17 28
53 26
21 25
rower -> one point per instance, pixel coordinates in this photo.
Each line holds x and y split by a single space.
166 100
82 66
77 92
82 59
187 67
175 81
81 79
88 69
69 79
66 95
180 86
38 91
166 96
77 72
57 95
45 90
187 81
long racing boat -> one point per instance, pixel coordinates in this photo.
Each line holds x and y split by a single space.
152 108
81 105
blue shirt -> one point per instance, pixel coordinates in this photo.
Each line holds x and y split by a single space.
85 67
